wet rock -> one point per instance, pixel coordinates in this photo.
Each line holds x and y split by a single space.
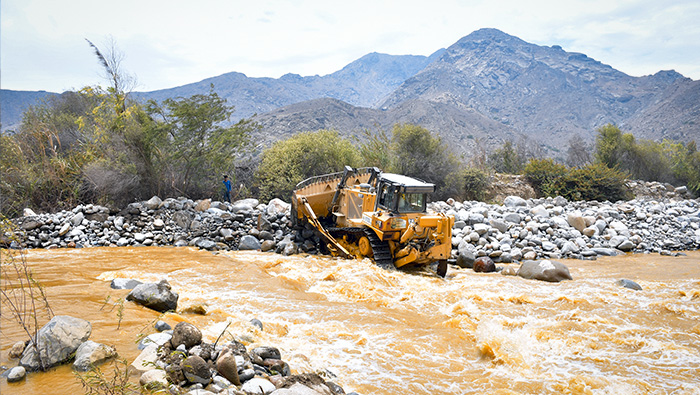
16 374
484 264
186 334
57 341
267 245
157 296
124 283
545 270
266 352
196 370
257 323
227 367
161 326
91 354
508 271
629 284
17 350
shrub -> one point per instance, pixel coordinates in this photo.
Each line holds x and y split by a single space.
475 183
304 155
595 182
545 176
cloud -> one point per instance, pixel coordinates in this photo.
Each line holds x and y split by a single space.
174 42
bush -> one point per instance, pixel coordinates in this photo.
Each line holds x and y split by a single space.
476 181
304 155
595 182
545 176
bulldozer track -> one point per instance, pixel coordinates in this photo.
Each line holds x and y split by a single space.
380 249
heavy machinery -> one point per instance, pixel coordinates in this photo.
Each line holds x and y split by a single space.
366 213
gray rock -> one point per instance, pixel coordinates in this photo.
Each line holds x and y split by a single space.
606 251
257 323
499 224
206 244
16 374
514 218
153 203
249 242
266 352
545 270
626 245
161 326
124 283
539 211
56 342
514 201
91 354
629 284
157 296
77 219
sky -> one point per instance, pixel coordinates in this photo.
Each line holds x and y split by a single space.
168 43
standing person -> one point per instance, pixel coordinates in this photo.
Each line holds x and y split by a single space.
227 192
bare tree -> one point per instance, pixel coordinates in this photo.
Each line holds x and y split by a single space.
121 82
579 152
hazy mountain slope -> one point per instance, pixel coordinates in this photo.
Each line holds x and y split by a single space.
362 83
13 104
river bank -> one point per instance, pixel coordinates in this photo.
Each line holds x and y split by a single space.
662 220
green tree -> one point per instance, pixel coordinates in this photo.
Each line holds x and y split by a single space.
303 155
196 147
507 159
420 154
545 176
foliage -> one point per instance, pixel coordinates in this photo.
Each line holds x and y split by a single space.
375 150
194 145
595 182
592 182
23 298
507 159
113 382
545 176
304 155
665 161
476 181
418 153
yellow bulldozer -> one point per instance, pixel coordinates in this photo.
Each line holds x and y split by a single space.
367 213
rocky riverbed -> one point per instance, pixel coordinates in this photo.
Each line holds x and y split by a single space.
663 219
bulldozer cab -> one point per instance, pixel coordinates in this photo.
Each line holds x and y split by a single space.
401 194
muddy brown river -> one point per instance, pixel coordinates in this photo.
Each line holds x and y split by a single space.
393 333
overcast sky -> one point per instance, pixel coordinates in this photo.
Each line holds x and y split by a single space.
168 43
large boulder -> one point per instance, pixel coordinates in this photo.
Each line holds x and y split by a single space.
145 361
56 342
544 270
157 296
91 354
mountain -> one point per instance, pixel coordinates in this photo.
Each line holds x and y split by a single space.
487 88
14 103
543 92
362 83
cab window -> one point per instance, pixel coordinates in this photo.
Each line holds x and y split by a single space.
388 196
411 202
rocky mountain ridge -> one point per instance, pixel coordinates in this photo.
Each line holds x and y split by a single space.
486 88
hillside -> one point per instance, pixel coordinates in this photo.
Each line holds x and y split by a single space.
486 88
